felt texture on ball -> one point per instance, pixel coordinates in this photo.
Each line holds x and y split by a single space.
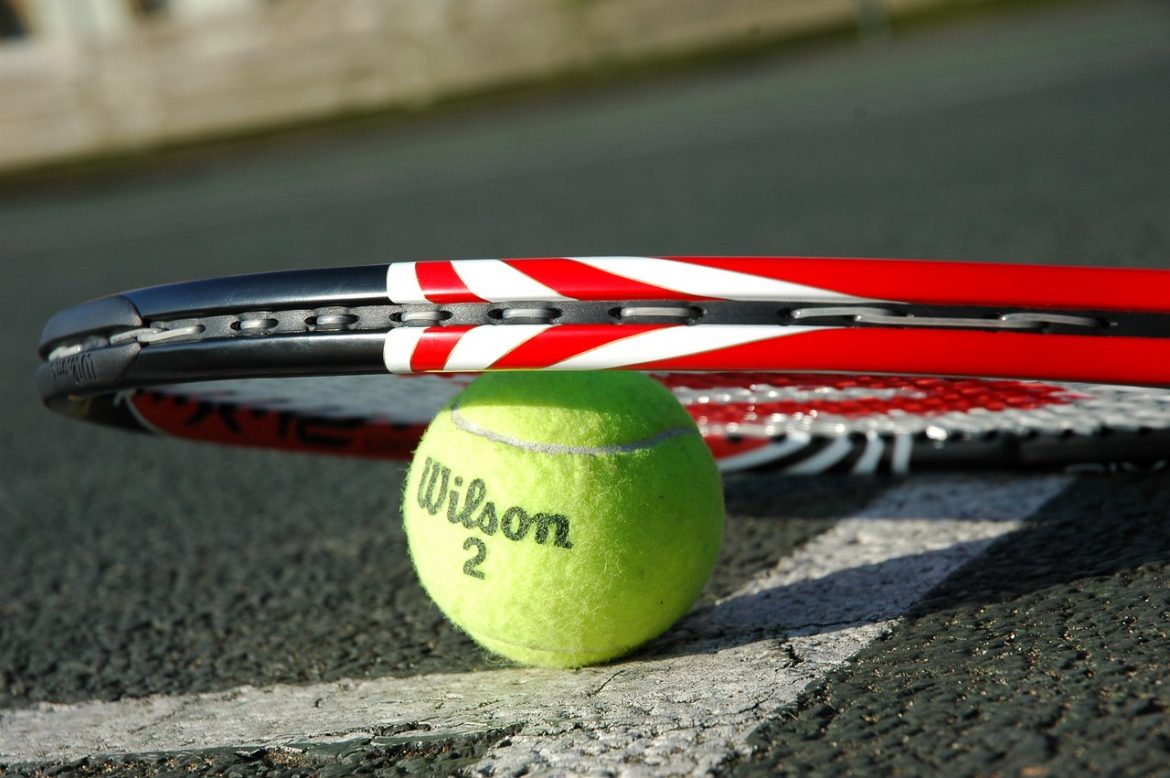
562 519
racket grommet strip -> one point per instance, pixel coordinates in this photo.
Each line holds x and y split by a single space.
527 314
422 318
157 334
1052 319
1019 320
678 313
255 324
331 320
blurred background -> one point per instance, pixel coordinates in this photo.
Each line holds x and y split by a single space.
86 77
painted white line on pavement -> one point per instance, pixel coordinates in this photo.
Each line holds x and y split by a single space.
685 706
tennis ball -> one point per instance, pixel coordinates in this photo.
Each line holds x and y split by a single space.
562 519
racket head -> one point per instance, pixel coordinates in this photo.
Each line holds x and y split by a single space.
797 424
796 364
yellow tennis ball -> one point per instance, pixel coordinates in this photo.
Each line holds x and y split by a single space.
563 519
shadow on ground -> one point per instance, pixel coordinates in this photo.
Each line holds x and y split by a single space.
1044 657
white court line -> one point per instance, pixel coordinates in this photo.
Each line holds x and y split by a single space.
685 707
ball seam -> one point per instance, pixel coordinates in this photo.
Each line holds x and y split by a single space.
467 425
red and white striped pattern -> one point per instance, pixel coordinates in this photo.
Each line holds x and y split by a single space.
564 346
873 350
704 347
554 279
792 279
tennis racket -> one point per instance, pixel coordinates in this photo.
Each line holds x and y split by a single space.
802 365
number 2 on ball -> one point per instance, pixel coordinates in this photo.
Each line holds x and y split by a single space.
471 566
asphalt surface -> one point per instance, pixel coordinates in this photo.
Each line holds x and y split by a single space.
132 566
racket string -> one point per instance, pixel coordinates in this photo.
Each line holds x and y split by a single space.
155 334
774 406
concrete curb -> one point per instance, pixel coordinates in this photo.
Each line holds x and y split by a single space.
174 80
